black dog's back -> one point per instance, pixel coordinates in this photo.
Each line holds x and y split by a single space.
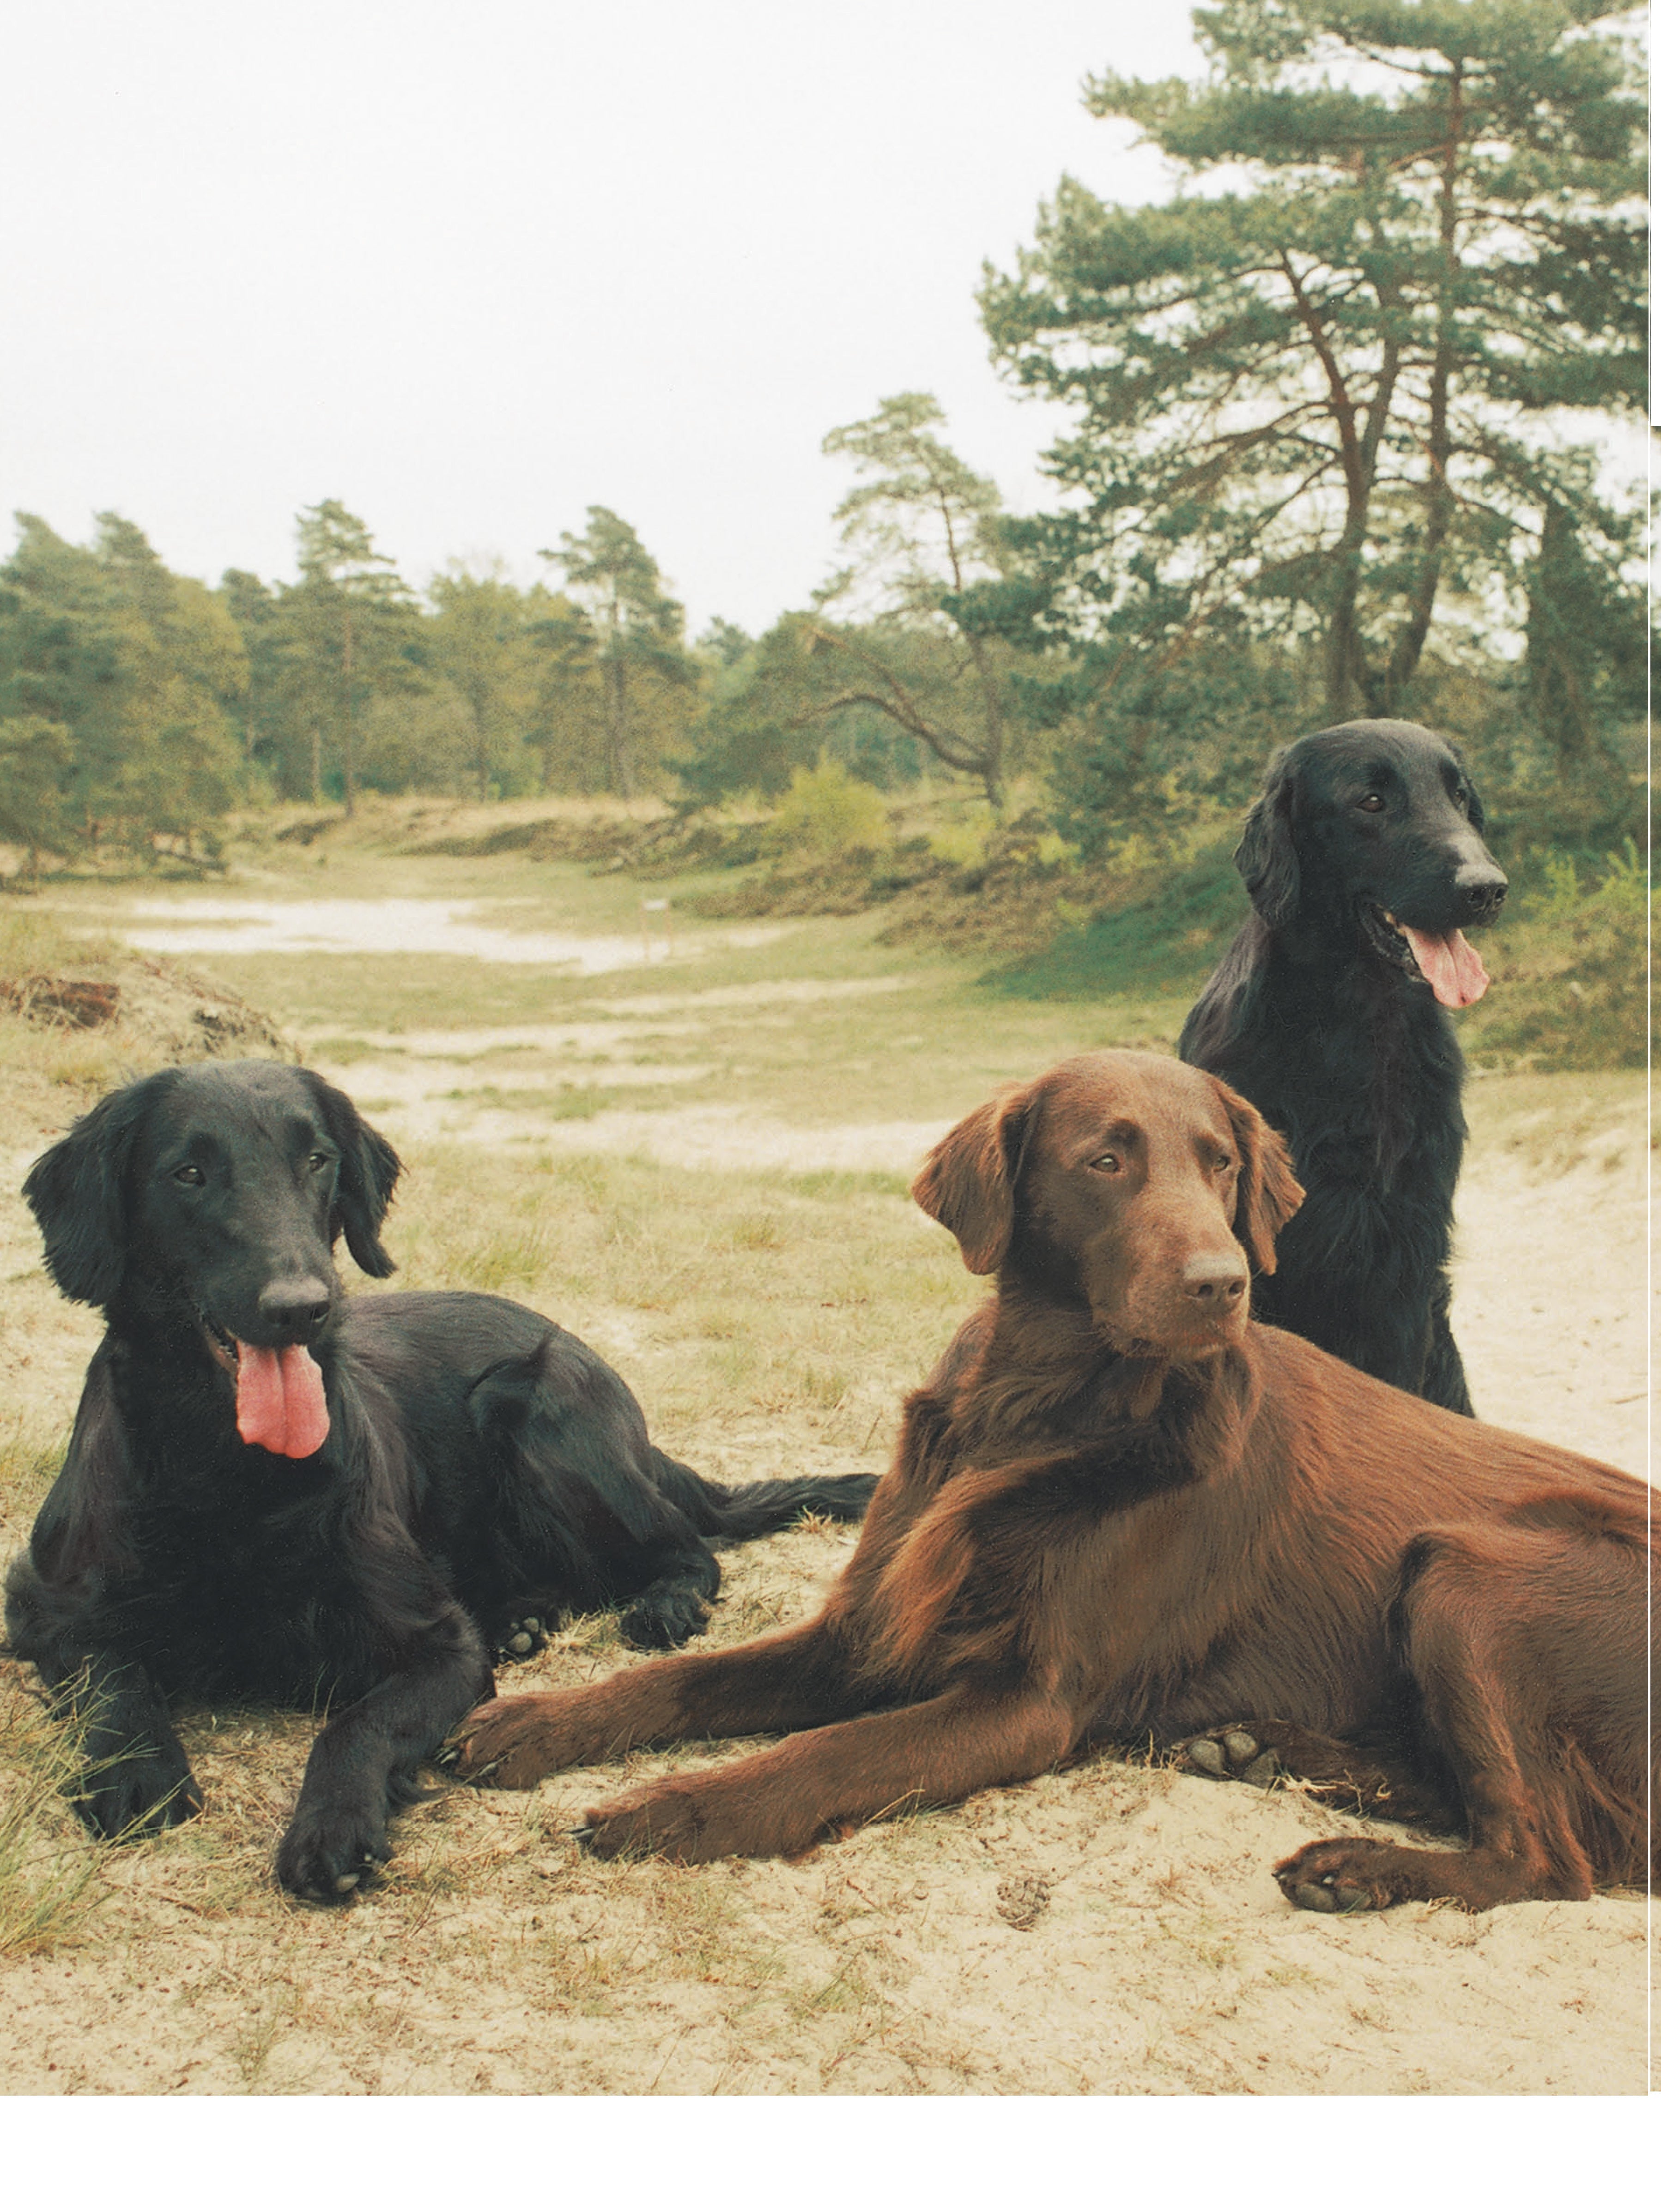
1363 858
583 1510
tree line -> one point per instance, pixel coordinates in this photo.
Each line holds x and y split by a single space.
1337 410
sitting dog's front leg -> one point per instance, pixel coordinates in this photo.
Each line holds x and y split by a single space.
363 1766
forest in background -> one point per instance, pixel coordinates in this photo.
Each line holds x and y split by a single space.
1340 416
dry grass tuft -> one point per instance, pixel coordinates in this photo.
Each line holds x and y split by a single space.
50 1866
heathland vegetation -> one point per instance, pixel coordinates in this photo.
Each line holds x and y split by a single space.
1344 420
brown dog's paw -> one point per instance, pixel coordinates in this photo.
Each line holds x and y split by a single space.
1347 1873
1234 1753
510 1743
668 1820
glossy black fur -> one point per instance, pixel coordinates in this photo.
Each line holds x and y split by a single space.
1339 1041
482 1468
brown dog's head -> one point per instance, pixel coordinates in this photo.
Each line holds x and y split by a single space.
1124 1182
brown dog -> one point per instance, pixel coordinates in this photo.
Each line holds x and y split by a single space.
1121 1511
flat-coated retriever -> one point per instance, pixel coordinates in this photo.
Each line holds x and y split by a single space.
1121 1509
278 1493
1365 863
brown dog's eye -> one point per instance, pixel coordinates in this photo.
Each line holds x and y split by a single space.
1371 803
191 1174
1108 1163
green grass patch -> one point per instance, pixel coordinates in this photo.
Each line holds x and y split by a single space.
1570 981
1165 941
36 941
571 1102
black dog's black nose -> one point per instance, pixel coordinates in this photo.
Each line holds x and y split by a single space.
1483 893
1216 1278
296 1309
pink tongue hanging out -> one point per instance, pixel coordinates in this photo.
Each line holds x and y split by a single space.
279 1400
1448 964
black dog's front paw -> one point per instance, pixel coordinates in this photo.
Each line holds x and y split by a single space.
329 1851
663 1619
127 1798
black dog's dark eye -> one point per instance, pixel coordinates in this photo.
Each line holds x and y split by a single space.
318 1162
189 1175
1371 803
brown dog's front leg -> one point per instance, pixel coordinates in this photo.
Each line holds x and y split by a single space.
779 1682
780 1802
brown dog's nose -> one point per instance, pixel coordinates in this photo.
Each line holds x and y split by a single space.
1216 1278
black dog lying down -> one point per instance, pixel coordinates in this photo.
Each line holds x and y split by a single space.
276 1492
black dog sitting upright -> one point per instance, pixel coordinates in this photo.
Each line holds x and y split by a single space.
1365 863
276 1492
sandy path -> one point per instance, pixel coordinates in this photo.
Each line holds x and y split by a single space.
201 925
1550 1297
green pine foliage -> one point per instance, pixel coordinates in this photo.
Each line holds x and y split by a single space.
1340 390
118 683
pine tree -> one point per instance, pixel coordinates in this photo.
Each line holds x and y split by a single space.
639 633
355 620
1327 384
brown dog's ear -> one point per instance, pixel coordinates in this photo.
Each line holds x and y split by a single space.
1268 1194
968 1181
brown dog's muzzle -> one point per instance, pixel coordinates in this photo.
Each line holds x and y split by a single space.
1170 1293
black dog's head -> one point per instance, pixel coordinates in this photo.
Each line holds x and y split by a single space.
218 1191
1372 831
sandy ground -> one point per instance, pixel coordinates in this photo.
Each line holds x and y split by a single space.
1112 1929
415 926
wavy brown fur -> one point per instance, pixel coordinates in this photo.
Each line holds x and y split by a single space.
1121 1509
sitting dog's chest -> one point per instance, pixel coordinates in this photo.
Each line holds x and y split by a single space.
1367 1095
232 1593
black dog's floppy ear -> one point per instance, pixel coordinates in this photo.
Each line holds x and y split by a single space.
1475 810
1266 855
77 1193
369 1169
968 1181
1268 1194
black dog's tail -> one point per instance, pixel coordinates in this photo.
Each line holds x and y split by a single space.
733 1515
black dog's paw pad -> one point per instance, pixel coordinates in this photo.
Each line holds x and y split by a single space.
1231 1754
520 1639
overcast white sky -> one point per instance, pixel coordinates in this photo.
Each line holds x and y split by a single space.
472 268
